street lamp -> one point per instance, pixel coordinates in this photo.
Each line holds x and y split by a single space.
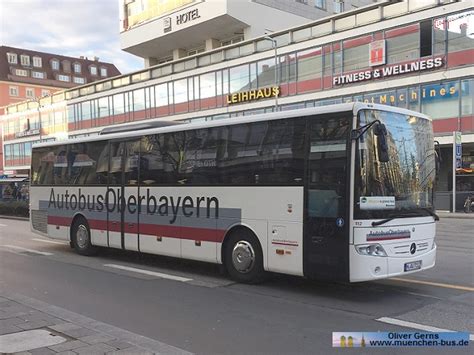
38 101
274 46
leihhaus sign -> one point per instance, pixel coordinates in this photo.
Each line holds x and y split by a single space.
31 132
244 96
400 69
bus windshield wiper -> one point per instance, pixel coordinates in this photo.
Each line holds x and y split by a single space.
406 214
436 217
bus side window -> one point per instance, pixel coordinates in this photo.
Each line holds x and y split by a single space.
327 167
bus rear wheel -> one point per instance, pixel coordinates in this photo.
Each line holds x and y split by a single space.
243 257
81 238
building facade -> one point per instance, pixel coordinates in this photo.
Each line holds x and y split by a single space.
28 75
160 31
417 55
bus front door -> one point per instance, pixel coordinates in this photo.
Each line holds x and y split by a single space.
326 217
123 194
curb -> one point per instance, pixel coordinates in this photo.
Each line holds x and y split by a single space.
14 217
456 215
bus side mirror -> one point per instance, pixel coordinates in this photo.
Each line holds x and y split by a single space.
382 146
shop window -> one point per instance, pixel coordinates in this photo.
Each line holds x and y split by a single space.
288 68
138 100
265 72
337 58
161 95
426 38
440 100
467 97
403 44
356 54
71 113
439 36
86 110
104 107
460 28
239 78
309 64
118 104
180 91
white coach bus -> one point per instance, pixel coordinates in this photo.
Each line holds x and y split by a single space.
341 192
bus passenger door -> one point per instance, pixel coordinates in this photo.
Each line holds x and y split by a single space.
327 194
123 196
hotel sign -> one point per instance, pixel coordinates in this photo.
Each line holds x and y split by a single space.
252 95
393 70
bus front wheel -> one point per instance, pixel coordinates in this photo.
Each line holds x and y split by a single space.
243 257
81 237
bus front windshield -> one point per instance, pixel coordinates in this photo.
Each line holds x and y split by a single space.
402 186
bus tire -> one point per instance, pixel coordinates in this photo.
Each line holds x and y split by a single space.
81 237
243 257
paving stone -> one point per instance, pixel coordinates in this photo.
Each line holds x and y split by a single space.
79 333
69 352
134 351
33 325
96 338
69 345
42 351
42 317
9 329
119 344
64 326
11 321
23 353
95 349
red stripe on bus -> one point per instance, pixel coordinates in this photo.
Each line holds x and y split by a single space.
386 238
290 244
154 230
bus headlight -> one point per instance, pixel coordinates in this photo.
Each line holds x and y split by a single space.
371 249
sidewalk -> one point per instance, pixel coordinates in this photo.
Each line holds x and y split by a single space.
72 333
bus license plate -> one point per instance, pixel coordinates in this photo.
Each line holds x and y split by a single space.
414 265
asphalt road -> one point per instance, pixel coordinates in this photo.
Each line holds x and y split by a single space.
204 312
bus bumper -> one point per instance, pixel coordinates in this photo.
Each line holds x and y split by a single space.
366 268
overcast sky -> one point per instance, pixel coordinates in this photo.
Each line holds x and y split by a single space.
68 27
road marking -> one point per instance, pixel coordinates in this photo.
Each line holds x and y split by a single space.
148 272
3 225
437 284
49 241
427 328
28 250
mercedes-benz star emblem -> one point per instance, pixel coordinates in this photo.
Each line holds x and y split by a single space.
412 248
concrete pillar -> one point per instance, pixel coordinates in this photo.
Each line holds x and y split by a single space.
179 53
212 43
149 62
